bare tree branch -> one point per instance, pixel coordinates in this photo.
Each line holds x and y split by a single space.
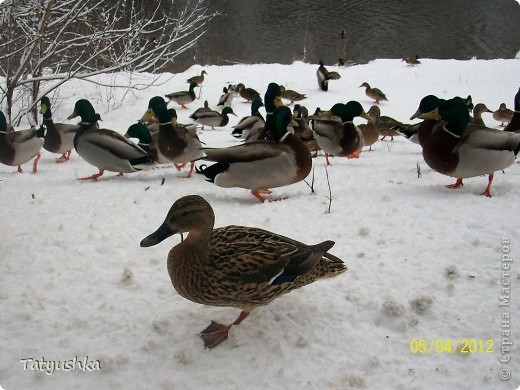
48 42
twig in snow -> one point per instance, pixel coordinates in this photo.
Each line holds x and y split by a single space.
330 192
311 186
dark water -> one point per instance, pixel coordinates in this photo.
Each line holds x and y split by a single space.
266 31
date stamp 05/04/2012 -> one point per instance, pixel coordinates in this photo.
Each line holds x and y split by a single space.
451 346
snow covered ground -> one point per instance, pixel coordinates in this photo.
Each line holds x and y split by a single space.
425 262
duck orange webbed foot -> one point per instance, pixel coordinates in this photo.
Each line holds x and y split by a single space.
93 177
355 154
64 158
457 184
487 191
216 333
258 194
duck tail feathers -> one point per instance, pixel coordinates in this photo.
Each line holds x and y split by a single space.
212 171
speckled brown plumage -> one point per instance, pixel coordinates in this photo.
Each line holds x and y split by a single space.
236 266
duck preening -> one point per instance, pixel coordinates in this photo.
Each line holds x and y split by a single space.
236 266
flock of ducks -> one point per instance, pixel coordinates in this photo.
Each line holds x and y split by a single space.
247 267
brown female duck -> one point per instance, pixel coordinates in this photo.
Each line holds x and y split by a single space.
373 93
236 266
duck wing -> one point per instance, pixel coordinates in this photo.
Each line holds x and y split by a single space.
251 151
490 139
268 257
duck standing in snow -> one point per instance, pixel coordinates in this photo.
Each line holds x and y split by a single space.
373 93
18 147
226 98
214 118
175 143
183 97
108 150
261 165
323 76
236 266
503 114
59 137
249 94
453 149
250 124
336 133
292 96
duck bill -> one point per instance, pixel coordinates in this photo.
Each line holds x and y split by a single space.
416 115
431 115
43 109
366 116
278 101
148 115
73 115
158 236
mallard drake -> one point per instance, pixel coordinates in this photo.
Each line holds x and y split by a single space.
248 94
412 61
199 112
175 143
183 97
369 130
323 76
478 110
252 123
106 149
452 149
198 80
226 98
147 141
340 137
428 108
261 165
236 266
59 137
214 118
292 96
503 115
373 93
514 124
430 103
18 147
273 100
